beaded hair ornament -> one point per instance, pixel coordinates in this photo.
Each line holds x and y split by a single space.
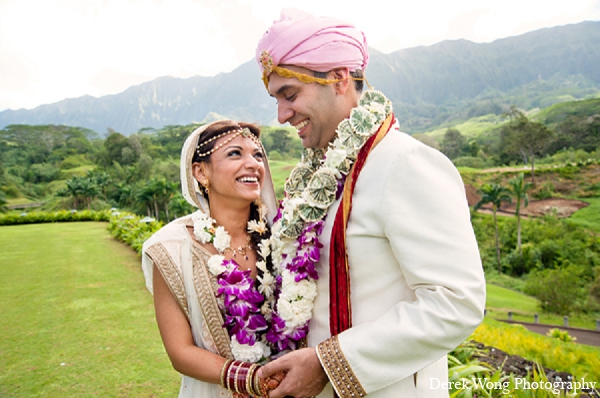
244 132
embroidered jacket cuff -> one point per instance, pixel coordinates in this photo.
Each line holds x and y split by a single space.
338 370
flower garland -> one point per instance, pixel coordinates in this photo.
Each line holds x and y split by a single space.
313 185
287 294
244 317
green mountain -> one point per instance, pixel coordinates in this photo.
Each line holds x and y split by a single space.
429 85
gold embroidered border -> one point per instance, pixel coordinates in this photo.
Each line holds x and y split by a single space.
203 282
170 273
338 370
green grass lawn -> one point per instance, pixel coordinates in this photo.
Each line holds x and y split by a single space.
500 301
470 128
588 217
77 320
18 201
280 171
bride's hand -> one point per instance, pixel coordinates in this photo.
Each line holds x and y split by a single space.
272 382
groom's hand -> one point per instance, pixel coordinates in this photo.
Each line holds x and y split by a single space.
304 377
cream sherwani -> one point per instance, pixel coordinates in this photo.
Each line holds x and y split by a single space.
417 284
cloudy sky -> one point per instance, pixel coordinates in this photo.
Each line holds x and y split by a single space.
56 49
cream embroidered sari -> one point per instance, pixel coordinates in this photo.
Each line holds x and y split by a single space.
183 264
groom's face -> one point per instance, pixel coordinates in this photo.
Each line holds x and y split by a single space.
310 108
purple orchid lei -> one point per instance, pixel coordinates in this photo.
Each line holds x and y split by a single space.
242 303
314 184
276 315
242 309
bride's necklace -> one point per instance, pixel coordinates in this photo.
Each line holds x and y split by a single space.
245 304
241 249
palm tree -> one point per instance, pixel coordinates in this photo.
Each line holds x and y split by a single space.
3 202
519 190
146 196
496 195
124 194
102 180
179 206
170 188
74 188
89 190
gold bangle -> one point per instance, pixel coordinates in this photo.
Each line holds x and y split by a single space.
251 379
229 379
258 387
223 371
237 371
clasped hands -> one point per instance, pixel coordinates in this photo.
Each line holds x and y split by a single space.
296 374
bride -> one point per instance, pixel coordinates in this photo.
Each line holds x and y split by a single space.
210 272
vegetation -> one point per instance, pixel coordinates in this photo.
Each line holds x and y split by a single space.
496 195
579 360
519 189
77 280
551 264
72 168
522 137
562 335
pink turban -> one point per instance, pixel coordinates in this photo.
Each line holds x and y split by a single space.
312 42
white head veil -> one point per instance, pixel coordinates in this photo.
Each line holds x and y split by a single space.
189 185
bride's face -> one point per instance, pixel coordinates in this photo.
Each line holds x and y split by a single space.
235 171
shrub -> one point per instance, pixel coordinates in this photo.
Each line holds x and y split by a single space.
562 335
275 155
560 291
546 191
132 229
36 217
470 161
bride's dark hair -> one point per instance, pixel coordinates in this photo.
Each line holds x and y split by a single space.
212 131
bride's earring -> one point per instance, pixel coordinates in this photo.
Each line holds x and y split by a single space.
206 185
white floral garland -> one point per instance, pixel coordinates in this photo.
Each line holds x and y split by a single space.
312 187
206 232
290 290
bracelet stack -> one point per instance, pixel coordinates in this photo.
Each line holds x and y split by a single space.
242 378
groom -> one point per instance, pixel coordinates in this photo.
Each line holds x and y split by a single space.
400 281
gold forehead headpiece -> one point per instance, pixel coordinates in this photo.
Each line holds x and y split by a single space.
244 132
269 67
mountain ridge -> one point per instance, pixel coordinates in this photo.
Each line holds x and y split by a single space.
427 84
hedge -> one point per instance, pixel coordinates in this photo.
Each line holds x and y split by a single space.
126 227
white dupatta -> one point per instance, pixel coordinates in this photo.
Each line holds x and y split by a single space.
176 247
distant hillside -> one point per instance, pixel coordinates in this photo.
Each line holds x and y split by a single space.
429 85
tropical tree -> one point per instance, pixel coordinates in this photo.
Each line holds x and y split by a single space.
3 202
89 190
124 194
101 179
529 139
519 189
453 144
146 196
163 191
496 195
74 189
179 206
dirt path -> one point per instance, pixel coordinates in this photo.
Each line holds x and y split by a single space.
536 208
584 336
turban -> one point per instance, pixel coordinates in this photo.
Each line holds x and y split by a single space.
312 42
